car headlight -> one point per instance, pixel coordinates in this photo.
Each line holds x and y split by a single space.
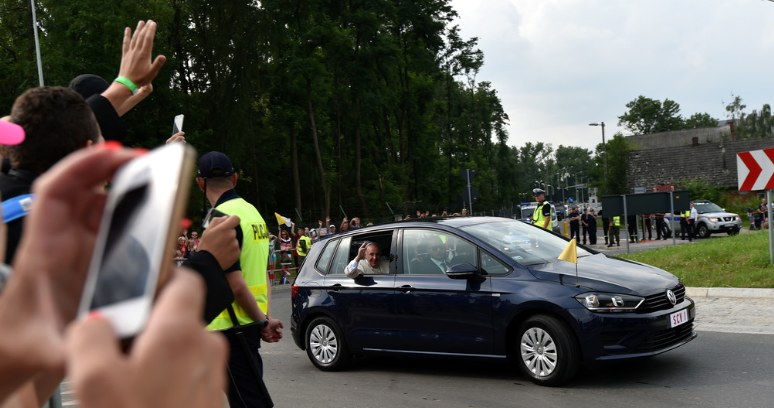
609 302
714 219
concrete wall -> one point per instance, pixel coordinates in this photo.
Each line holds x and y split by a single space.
665 162
678 138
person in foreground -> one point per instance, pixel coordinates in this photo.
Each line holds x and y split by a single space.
174 362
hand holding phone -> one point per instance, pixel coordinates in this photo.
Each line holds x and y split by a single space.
135 243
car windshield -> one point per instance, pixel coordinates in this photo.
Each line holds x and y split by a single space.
524 243
704 208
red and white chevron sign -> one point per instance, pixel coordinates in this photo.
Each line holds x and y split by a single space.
755 170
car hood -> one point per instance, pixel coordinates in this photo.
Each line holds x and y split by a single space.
602 273
719 214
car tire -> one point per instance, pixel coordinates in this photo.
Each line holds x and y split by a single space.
325 345
547 352
702 231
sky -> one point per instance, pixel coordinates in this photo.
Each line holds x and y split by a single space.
559 65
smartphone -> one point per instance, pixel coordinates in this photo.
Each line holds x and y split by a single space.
134 249
177 124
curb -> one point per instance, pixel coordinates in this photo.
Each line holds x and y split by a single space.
757 293
694 292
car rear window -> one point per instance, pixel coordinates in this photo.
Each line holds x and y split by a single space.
325 258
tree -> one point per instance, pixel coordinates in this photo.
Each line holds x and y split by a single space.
647 115
700 120
618 163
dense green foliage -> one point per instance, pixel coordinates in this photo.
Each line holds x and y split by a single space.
326 107
369 109
646 115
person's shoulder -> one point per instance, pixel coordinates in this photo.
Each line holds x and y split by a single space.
13 186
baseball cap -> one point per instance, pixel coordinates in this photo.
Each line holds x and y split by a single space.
215 164
10 133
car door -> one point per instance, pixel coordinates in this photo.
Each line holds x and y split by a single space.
435 313
359 305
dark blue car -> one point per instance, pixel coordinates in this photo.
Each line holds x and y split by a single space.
489 288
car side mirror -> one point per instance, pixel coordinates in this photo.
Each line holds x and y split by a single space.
463 271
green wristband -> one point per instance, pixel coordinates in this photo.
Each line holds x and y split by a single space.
128 83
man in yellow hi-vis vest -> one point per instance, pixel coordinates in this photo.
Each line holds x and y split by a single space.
245 322
541 216
615 231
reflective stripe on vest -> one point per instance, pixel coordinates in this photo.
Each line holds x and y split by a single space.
616 221
253 260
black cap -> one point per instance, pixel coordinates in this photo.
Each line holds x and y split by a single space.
214 165
89 84
537 191
90 87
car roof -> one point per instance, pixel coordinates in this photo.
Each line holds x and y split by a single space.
451 222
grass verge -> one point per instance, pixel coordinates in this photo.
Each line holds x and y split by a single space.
740 261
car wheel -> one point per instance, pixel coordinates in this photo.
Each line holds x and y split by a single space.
325 345
548 352
702 231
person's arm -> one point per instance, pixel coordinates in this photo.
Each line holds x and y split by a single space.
352 269
137 65
546 216
273 331
47 288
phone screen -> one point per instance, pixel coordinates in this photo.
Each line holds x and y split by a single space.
125 265
177 124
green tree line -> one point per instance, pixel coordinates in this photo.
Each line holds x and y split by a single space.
369 108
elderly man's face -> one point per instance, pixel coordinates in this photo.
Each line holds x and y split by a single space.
372 255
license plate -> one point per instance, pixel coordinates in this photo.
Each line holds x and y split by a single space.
678 318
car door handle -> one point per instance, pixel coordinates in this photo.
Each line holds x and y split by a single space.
337 287
406 288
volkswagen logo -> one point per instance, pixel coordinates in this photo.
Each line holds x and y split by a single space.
671 296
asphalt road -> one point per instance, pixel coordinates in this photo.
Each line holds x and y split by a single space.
728 365
715 370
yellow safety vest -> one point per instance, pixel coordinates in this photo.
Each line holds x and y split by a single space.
538 218
617 221
302 250
252 259
687 213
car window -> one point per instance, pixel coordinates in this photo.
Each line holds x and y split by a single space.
341 259
492 266
433 252
526 244
325 258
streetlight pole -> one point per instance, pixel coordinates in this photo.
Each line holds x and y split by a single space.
37 43
604 154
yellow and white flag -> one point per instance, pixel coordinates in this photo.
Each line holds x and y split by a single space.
282 220
570 252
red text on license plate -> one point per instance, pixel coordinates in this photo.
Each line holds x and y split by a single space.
678 318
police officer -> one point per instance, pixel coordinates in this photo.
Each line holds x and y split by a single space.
615 231
541 216
245 322
302 246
